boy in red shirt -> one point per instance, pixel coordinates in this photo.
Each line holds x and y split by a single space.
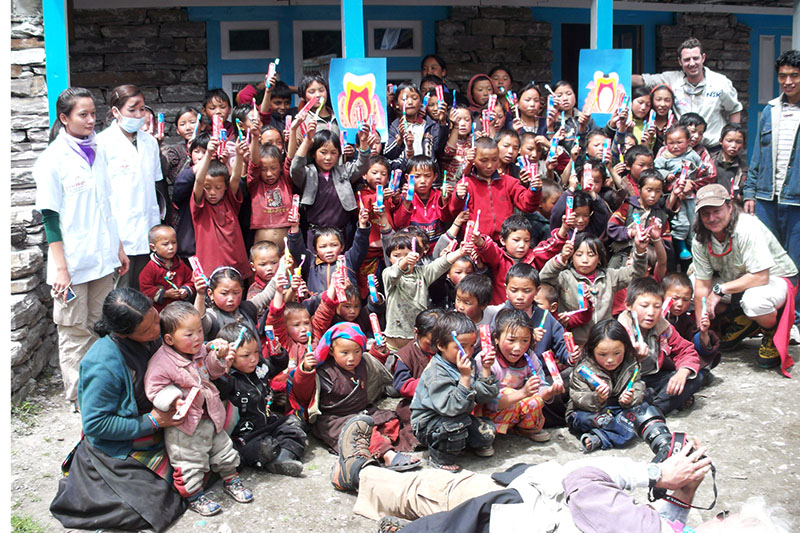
165 279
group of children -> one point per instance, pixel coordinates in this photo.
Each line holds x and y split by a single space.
500 264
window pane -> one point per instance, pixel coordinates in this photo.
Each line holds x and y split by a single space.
318 43
394 38
248 40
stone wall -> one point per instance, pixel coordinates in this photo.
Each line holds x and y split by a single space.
726 43
158 50
33 337
475 39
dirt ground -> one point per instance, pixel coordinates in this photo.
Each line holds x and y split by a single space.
748 417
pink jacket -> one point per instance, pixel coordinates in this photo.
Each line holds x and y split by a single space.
171 375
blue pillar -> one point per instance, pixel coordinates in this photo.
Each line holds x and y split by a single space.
602 24
56 48
353 28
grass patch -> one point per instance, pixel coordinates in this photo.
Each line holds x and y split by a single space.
25 524
27 412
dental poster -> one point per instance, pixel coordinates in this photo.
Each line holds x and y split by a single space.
358 90
604 78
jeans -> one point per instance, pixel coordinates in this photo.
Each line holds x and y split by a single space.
613 425
784 222
656 392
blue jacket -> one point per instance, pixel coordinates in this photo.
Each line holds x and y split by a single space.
109 413
760 182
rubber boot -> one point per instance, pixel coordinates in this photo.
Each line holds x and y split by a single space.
683 251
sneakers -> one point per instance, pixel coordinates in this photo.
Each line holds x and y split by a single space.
204 506
535 436
794 335
768 356
486 451
286 464
236 490
736 331
353 452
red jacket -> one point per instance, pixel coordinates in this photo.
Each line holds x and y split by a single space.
153 284
674 351
496 200
499 261
430 216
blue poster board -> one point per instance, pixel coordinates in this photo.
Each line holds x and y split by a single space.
604 77
358 92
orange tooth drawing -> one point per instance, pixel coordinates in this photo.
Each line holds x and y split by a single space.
358 101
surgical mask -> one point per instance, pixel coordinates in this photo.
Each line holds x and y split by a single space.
131 124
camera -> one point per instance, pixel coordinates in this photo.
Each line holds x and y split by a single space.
651 427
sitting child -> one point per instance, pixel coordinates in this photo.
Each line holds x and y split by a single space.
199 442
415 356
264 439
680 313
669 363
337 382
447 392
472 296
600 404
264 259
165 278
523 385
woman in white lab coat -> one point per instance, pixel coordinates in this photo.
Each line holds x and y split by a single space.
132 162
84 247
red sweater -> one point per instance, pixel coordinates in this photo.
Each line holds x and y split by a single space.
270 204
153 284
496 199
430 216
499 260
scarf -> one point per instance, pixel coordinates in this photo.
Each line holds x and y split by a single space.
136 356
85 148
343 330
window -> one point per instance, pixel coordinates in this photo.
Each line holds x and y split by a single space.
316 42
394 38
249 39
233 83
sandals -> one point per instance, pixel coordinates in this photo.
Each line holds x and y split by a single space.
403 461
391 524
590 442
453 468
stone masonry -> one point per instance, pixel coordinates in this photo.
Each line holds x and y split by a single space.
475 39
33 334
158 50
726 43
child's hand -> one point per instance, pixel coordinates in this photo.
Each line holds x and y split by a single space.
404 195
464 365
575 152
538 333
173 294
642 350
531 386
647 135
524 176
470 156
199 283
211 149
309 362
641 241
311 129
487 358
270 82
280 278
408 140
348 151
242 148
626 397
572 185
619 169
461 189
566 251
676 383
255 125
220 347
230 356
461 219
536 182
575 355
363 217
299 119
549 392
654 229
516 124
411 260
705 322
602 391
294 222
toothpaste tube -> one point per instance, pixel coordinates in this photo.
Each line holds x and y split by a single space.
343 139
569 341
606 151
379 197
450 247
295 212
485 332
581 296
570 203
651 120
440 94
376 329
187 403
588 180
492 102
341 269
553 147
624 103
670 118
223 139
550 104
287 123
485 121
589 376
271 71
394 183
216 126
552 367
637 221
469 231
373 288
410 192
196 268
273 346
161 124
311 103
666 306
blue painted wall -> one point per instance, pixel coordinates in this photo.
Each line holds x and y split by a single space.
286 15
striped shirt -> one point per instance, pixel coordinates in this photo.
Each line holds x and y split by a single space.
787 131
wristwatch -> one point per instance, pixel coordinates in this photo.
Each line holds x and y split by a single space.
717 289
653 474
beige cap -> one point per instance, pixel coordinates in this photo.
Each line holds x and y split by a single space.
713 195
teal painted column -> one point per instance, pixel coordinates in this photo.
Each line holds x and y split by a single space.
353 28
56 49
602 24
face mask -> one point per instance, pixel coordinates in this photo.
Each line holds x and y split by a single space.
130 124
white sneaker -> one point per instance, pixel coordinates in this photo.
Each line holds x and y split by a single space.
794 335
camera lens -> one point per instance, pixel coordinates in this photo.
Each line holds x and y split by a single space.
651 427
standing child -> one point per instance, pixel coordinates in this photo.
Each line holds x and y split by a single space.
414 129
177 157
669 363
182 195
523 386
654 134
447 392
493 194
586 285
270 192
215 204
165 278
311 86
530 112
601 405
459 148
730 162
200 441
696 125
264 259
217 103
264 439
678 156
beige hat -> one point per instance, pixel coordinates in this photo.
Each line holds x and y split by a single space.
713 195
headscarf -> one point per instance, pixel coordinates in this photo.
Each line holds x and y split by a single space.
343 330
473 106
